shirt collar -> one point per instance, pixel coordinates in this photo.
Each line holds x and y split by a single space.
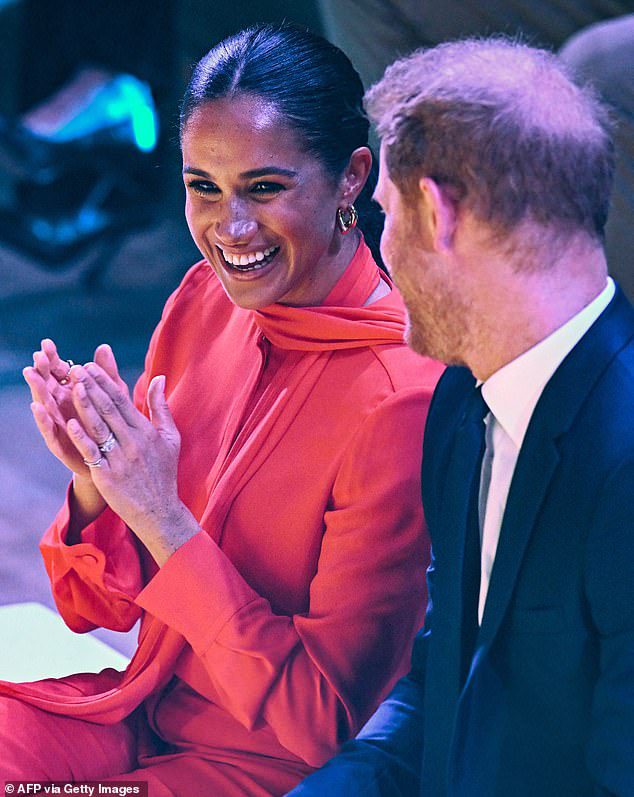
513 391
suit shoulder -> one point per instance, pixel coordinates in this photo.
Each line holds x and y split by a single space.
610 407
455 383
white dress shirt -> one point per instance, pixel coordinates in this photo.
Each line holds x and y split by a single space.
511 394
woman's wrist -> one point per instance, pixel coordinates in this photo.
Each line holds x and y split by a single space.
165 536
86 504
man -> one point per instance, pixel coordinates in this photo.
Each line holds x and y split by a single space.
596 37
495 179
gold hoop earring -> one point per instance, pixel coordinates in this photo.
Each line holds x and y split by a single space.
347 219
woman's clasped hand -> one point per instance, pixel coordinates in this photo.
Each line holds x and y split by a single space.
52 391
88 420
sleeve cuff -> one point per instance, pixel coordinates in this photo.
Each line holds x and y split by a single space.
196 592
105 554
84 555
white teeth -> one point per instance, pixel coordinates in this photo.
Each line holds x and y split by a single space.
250 258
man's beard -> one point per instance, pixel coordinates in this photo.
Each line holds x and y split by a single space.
436 326
437 315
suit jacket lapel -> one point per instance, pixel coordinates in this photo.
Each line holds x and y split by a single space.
445 659
535 466
554 414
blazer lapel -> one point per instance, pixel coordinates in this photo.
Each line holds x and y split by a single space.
554 414
535 466
445 658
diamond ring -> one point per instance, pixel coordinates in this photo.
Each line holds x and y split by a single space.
108 444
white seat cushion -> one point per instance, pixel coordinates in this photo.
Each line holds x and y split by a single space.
35 643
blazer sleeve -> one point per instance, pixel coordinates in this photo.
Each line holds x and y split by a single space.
385 758
315 678
94 581
610 591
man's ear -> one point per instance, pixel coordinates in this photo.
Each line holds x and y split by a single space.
355 175
438 212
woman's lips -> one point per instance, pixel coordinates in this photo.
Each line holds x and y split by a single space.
256 260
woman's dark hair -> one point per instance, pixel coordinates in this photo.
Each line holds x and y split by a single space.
313 85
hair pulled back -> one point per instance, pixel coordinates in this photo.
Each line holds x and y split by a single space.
314 87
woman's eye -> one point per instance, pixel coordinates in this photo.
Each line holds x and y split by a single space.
203 188
267 189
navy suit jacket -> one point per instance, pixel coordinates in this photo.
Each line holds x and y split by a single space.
547 709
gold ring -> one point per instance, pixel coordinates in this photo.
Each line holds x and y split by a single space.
66 377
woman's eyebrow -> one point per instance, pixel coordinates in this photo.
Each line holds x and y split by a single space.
248 175
193 170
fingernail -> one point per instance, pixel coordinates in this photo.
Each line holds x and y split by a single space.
91 368
73 426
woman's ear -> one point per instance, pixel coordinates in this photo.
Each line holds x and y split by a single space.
355 175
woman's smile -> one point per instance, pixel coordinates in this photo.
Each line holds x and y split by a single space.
249 262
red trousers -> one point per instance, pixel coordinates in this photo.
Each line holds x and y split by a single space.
38 746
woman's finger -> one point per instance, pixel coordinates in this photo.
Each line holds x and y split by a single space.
104 407
40 393
103 388
88 416
85 445
160 414
42 364
46 426
34 381
104 357
59 368
55 435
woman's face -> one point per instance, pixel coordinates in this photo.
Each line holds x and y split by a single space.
260 209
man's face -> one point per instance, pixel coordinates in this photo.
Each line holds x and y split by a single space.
428 280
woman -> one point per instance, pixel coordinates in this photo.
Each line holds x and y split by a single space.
265 523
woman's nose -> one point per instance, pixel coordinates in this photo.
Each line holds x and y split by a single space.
235 226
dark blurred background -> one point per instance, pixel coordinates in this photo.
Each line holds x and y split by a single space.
92 233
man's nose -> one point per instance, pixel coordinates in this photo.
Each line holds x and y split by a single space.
235 225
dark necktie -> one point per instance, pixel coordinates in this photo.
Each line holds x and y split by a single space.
471 443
